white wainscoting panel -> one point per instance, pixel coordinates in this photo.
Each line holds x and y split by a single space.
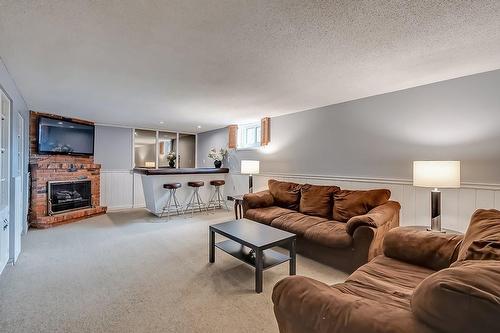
497 200
139 200
117 189
458 205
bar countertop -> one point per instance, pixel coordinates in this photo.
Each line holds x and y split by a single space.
179 171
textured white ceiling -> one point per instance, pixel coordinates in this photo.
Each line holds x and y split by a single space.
212 63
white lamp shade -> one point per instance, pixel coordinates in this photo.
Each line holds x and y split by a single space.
249 167
438 174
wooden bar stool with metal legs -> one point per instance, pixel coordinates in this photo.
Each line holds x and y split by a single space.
216 199
195 201
172 204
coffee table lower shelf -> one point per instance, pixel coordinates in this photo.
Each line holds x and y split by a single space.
271 258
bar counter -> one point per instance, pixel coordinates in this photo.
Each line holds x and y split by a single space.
156 196
179 171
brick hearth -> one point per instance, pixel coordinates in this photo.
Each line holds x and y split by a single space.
46 168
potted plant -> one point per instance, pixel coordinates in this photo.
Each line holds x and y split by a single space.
217 155
171 159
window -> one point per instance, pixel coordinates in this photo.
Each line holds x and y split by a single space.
249 135
160 149
167 143
145 149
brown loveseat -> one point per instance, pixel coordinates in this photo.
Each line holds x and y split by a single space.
425 282
341 228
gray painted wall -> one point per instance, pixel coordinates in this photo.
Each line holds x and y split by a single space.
380 136
18 107
206 141
113 147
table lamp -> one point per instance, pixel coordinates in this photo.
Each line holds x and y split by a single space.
436 174
249 167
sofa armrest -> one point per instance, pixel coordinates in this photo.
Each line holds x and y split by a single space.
434 250
375 218
257 200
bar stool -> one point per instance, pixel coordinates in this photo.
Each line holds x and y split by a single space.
195 201
216 198
172 203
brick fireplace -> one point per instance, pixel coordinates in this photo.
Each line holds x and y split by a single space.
61 169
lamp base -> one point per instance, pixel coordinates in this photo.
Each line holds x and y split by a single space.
250 184
435 210
441 231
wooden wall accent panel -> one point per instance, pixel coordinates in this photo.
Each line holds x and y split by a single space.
265 131
233 136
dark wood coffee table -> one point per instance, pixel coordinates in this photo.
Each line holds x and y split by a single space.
246 236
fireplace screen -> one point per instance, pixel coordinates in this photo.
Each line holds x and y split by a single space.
64 196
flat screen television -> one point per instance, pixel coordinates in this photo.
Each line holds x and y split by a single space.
59 136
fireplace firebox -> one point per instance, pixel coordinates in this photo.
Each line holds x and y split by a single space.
64 196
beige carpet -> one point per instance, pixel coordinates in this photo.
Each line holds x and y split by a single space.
132 272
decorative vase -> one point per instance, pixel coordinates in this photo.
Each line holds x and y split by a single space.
171 163
217 164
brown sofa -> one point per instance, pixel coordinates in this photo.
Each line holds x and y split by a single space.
424 282
341 228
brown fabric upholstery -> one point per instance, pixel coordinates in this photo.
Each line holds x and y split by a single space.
376 246
375 217
346 259
317 200
484 225
266 215
328 241
348 203
286 195
330 234
196 184
260 199
172 186
385 280
434 250
297 223
483 250
463 298
303 305
404 293
217 182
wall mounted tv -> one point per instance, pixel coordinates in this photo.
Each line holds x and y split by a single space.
60 136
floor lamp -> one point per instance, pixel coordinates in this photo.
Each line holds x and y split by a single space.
250 167
436 174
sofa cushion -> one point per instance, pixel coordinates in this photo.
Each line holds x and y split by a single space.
267 214
348 203
385 280
297 223
463 298
316 200
286 195
484 225
258 200
330 234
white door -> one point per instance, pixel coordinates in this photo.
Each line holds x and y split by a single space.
4 178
